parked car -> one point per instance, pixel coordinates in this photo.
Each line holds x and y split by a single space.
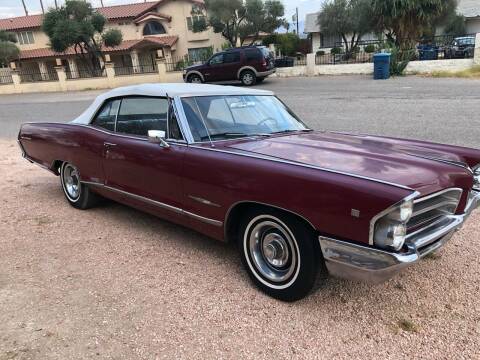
461 47
238 165
250 64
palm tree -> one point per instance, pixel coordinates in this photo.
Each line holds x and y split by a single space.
41 5
404 21
25 7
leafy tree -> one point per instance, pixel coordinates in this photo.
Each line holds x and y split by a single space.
8 50
237 20
348 18
405 21
76 24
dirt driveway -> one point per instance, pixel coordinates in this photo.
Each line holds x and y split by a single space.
114 283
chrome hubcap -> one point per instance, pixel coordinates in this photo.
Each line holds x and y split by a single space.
196 80
71 181
272 251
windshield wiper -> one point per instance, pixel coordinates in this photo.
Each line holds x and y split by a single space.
291 130
233 135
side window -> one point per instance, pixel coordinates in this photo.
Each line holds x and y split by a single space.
217 59
173 127
231 57
252 54
137 115
107 114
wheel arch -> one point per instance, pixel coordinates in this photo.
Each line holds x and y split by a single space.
194 72
235 212
243 68
56 165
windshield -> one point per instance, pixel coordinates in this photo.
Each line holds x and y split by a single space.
227 117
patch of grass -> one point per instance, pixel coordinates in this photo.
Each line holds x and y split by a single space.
408 325
472 73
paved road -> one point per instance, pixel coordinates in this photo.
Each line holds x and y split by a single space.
444 110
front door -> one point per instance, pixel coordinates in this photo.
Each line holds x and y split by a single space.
142 171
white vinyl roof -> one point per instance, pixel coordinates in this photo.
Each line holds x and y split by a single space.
162 89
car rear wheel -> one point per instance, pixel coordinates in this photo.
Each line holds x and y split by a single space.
279 253
194 79
77 194
248 78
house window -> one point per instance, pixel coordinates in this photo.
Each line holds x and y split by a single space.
191 19
25 37
200 54
153 28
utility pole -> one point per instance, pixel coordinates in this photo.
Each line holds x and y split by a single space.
41 5
56 5
101 2
297 20
25 7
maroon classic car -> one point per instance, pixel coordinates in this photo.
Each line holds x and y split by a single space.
238 165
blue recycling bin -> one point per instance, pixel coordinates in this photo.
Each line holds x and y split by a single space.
381 66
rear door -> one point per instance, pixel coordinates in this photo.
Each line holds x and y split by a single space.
145 171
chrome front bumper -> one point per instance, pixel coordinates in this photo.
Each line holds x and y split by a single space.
357 262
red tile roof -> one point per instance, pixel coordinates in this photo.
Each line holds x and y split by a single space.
124 46
153 14
21 22
128 10
110 12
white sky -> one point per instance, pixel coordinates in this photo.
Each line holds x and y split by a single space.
10 8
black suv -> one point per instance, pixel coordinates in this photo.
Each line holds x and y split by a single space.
249 64
461 47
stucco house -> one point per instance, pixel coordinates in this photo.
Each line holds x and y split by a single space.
146 27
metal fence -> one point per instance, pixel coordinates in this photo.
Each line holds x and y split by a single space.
133 70
85 73
428 48
334 59
37 75
178 63
6 79
290 61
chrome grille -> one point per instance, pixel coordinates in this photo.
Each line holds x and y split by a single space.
432 213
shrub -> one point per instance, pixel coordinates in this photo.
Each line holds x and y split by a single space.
320 53
399 60
336 50
369 49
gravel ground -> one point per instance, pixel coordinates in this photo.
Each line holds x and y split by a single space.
115 283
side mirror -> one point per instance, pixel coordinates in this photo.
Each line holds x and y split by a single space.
157 137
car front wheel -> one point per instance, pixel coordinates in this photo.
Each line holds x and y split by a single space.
248 78
194 79
77 194
279 253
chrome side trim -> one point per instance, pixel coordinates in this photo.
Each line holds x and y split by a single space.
203 201
159 204
371 232
274 159
203 219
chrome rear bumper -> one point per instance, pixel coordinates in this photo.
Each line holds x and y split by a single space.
357 262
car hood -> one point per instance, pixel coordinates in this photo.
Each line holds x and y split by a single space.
194 67
407 163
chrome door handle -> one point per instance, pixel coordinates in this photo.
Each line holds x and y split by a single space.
108 145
